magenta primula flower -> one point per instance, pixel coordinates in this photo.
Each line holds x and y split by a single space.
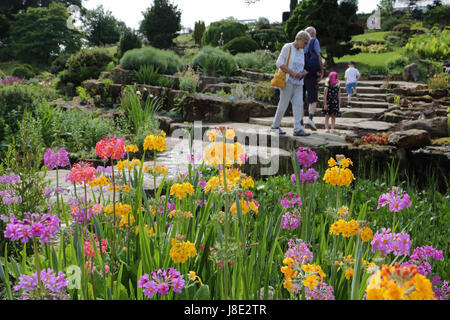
306 157
387 242
161 282
291 221
56 159
396 199
291 200
299 251
54 284
33 225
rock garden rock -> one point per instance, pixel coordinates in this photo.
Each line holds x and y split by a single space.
411 72
436 127
206 108
122 76
215 87
410 139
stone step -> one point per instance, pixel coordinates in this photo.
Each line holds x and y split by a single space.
349 124
361 89
368 113
260 135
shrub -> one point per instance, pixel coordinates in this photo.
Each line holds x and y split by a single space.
86 64
14 99
269 37
2 74
397 63
241 45
402 27
433 46
230 28
59 64
257 60
166 61
213 61
23 71
129 40
439 15
438 81
165 82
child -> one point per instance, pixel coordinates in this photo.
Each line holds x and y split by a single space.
352 75
331 100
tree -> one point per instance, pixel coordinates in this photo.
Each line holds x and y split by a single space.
101 27
161 23
199 29
386 7
39 35
335 24
129 40
12 7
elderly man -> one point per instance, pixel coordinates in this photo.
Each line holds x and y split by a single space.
313 64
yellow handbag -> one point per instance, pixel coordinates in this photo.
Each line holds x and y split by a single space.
279 79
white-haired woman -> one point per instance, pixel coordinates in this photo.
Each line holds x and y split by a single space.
293 91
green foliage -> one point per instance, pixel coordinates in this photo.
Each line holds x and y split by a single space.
335 24
129 40
59 64
81 92
259 59
439 15
269 37
402 27
434 45
2 74
230 28
161 23
38 34
188 84
101 27
166 61
14 100
389 22
147 74
213 61
242 44
140 114
199 29
438 81
165 82
397 63
79 131
85 64
23 72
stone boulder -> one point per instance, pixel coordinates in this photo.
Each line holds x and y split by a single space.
197 107
410 139
411 72
439 93
93 87
214 87
122 76
436 127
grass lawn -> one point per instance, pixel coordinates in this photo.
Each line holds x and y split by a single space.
373 59
376 36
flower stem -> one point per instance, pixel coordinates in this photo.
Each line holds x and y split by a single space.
113 247
38 267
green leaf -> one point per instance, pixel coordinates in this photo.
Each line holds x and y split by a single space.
203 293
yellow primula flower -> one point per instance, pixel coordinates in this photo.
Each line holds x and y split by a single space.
131 148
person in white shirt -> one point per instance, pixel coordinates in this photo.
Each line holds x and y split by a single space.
352 76
293 91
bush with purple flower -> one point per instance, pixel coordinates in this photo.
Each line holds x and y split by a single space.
306 157
161 282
